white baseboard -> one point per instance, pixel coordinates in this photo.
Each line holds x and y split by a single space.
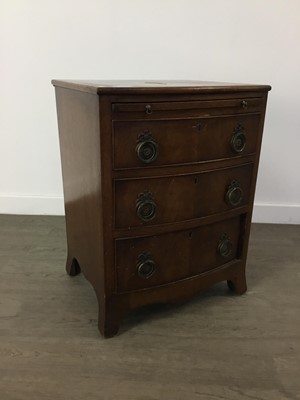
276 213
54 205
31 205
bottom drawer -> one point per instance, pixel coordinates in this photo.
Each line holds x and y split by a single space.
156 260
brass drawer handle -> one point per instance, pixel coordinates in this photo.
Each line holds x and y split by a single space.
145 206
244 104
225 246
146 148
148 109
238 140
145 265
234 194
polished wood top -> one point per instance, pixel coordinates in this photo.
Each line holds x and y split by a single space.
156 86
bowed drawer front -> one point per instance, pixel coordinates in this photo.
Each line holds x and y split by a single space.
151 201
183 141
159 180
153 261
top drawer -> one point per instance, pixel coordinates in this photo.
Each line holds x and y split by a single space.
183 140
196 108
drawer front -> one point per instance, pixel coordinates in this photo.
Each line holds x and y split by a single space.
157 260
177 109
182 141
154 201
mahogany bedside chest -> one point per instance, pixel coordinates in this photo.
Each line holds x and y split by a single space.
159 180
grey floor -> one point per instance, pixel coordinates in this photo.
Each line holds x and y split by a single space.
217 346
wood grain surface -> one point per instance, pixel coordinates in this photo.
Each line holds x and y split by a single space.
217 346
151 86
101 202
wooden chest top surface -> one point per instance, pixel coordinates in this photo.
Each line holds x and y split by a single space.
156 86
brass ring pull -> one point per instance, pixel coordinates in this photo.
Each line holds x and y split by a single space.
145 206
146 148
238 140
225 246
244 104
145 265
148 109
234 194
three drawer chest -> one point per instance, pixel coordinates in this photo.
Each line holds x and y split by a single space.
159 181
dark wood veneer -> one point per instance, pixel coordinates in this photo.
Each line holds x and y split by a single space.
196 237
178 255
182 141
202 194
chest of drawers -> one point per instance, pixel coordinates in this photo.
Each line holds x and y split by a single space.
159 180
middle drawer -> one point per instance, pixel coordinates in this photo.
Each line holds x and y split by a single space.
160 200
